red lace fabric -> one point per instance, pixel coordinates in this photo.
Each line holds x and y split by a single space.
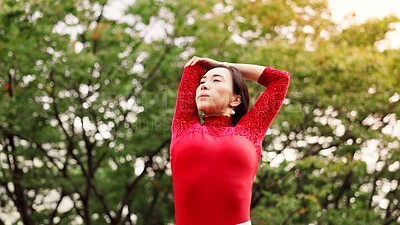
214 163
253 125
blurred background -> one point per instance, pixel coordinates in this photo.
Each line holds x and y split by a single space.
88 90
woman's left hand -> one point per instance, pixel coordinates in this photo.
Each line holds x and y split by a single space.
206 63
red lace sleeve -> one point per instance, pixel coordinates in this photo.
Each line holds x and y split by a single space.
186 109
257 121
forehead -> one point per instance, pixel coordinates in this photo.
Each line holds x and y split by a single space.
220 71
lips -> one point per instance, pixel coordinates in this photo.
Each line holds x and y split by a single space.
204 96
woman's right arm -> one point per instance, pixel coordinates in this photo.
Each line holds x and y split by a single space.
249 71
186 110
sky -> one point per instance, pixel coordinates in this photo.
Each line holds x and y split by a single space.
363 9
366 9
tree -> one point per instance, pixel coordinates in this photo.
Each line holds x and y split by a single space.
88 100
69 131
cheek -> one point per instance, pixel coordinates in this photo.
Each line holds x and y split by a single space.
224 94
198 91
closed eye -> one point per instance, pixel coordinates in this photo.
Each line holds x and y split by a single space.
216 80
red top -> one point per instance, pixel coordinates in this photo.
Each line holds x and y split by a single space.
214 164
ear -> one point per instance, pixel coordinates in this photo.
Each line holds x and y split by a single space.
236 100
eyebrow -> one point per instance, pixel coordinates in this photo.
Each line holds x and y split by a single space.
215 75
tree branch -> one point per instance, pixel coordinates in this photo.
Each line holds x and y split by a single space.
98 20
345 186
156 195
54 214
127 198
20 201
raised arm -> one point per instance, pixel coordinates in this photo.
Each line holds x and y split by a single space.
249 71
260 117
186 109
257 121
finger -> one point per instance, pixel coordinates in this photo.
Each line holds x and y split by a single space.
189 63
196 60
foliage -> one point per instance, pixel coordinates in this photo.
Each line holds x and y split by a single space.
87 101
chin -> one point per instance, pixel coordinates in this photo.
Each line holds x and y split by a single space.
204 109
202 106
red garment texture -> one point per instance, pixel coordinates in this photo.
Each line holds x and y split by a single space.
214 164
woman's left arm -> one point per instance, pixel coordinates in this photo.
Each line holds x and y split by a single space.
260 117
257 121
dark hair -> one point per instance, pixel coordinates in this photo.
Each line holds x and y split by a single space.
239 88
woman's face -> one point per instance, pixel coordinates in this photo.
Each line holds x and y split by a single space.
215 96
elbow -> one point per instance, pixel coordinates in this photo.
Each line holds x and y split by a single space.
286 77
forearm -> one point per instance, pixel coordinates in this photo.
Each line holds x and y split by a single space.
249 71
186 109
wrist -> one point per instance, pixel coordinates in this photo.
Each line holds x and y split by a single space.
226 64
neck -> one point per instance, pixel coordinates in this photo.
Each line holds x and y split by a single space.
218 120
227 113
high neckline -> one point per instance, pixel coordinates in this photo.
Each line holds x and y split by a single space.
218 121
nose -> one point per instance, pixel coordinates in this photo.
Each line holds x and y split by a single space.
204 86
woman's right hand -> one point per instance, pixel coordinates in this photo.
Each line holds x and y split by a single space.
205 63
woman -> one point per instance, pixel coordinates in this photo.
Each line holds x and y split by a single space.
214 163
